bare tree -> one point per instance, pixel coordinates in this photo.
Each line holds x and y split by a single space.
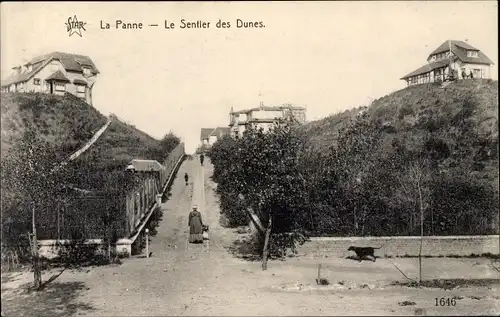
414 188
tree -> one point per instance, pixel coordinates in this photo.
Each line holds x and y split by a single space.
30 180
354 157
262 167
169 142
415 173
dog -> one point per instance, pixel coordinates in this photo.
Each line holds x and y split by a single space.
362 252
204 230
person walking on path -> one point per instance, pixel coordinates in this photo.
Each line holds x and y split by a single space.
195 226
202 158
186 178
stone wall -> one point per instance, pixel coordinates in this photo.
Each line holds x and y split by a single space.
402 246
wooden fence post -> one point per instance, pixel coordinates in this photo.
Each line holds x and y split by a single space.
143 200
146 183
137 205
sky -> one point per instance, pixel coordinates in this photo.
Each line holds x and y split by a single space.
326 56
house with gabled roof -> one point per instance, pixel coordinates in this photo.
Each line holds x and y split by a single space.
455 59
263 117
54 73
209 136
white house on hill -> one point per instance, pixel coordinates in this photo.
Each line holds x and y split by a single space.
54 73
262 117
464 59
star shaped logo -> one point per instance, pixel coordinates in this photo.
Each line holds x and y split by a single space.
74 26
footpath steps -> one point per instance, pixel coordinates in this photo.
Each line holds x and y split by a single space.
89 143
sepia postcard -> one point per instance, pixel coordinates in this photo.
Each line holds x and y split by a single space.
237 158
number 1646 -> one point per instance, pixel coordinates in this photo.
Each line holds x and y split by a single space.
445 301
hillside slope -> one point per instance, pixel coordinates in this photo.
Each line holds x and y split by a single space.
443 139
67 123
415 108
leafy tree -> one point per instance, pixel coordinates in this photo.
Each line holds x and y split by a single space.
168 143
29 182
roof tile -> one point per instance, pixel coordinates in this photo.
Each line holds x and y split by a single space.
70 62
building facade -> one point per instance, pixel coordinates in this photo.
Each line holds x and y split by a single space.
209 136
263 117
451 60
54 73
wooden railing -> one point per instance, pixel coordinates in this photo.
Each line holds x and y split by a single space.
140 201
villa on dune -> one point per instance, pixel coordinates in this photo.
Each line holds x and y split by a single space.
54 73
456 59
263 117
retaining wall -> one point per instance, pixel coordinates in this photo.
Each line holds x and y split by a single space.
401 246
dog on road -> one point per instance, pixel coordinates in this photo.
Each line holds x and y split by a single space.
363 252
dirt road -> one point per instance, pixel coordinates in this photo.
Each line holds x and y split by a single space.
186 279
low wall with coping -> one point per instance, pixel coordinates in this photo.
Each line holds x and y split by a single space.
402 246
50 248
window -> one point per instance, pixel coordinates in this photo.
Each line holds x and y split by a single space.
86 71
80 91
30 68
471 53
60 87
36 81
80 88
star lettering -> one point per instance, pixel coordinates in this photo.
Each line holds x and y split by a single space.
74 26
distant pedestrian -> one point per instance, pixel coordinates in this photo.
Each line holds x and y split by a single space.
471 75
186 178
202 158
464 75
195 226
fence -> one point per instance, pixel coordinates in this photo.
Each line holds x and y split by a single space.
97 216
79 217
140 200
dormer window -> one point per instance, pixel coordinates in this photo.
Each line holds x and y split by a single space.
86 71
29 67
471 53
